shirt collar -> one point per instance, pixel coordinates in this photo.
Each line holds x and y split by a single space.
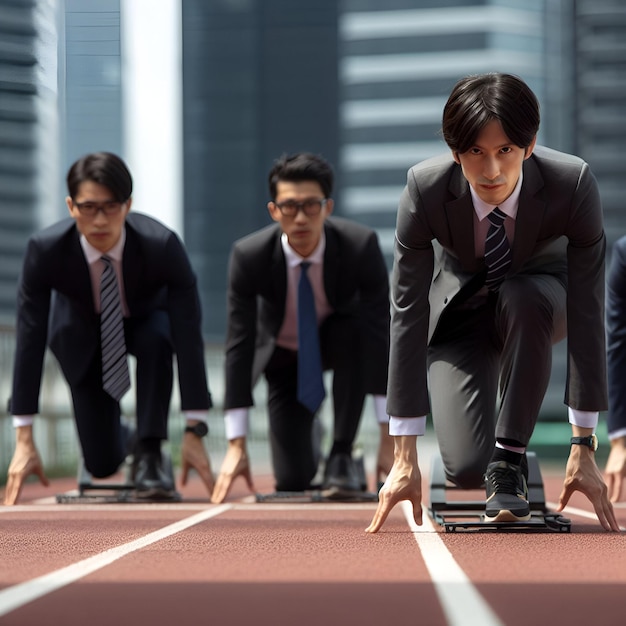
293 258
508 207
93 254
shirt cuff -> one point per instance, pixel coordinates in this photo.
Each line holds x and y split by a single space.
380 408
617 433
199 416
399 426
584 419
236 422
23 420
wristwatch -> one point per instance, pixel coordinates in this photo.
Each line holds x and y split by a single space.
590 442
199 430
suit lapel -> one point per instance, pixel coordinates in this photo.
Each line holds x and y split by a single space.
460 217
332 260
529 215
76 270
132 263
279 269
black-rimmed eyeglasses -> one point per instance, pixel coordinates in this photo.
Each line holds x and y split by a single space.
90 209
290 208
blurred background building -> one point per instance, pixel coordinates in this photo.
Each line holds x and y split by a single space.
200 96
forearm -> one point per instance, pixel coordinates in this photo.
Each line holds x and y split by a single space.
580 431
24 436
405 450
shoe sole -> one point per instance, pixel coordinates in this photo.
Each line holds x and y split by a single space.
506 516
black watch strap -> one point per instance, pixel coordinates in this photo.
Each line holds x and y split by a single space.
591 441
199 430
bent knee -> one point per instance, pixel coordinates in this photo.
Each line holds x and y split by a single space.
469 476
101 469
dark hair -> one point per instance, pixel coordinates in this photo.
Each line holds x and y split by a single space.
479 99
299 167
103 168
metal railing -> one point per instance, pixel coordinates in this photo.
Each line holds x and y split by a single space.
55 434
56 439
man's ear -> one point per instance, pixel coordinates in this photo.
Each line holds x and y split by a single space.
530 148
70 205
455 156
330 205
274 211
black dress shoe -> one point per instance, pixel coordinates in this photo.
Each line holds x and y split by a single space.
341 479
150 479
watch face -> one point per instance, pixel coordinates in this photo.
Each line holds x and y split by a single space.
594 443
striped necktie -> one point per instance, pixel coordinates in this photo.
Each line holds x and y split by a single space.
115 375
497 250
310 374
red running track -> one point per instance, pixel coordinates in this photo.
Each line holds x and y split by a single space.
245 563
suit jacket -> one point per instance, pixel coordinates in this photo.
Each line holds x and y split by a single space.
558 231
356 282
55 306
616 336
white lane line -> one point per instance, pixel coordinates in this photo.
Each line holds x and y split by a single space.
262 507
128 507
16 596
572 510
243 504
460 601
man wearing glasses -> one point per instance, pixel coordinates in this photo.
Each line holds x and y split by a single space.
306 258
94 287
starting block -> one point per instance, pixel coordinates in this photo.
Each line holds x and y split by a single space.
454 513
319 495
313 495
110 491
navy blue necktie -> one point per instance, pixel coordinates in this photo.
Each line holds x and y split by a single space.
115 375
497 250
310 374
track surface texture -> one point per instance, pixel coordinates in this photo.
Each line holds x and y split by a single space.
247 563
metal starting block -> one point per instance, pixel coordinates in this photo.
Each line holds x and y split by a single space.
314 495
454 513
110 491
317 494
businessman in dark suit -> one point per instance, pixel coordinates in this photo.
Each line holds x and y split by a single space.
615 470
150 298
499 254
350 285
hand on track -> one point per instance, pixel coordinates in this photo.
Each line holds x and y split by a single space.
582 474
403 483
236 463
25 462
194 456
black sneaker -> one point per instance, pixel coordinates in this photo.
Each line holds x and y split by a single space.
507 493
